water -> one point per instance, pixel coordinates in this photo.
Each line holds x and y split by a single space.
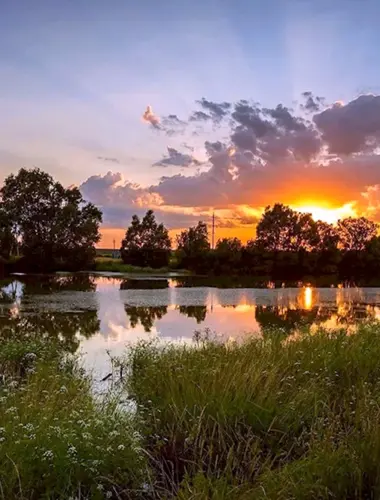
96 314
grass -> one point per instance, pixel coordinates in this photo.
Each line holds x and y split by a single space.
56 440
278 418
109 264
268 419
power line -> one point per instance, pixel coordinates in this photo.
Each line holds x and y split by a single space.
213 230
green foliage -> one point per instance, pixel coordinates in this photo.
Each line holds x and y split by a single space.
55 227
146 243
265 419
56 440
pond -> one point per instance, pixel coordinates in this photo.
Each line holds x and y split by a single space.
96 314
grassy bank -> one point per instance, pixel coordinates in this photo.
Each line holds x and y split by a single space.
56 440
267 419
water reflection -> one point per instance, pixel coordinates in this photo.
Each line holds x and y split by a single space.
104 313
146 316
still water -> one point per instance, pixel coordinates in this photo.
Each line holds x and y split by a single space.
99 314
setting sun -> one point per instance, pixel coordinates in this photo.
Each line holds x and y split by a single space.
329 215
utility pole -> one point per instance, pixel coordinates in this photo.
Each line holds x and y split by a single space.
213 231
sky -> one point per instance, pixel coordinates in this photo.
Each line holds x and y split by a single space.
190 108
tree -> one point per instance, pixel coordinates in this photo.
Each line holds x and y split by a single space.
146 242
55 226
7 239
283 229
354 234
193 247
227 255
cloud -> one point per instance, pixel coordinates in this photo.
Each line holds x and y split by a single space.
111 160
312 104
351 128
151 118
262 155
215 111
177 159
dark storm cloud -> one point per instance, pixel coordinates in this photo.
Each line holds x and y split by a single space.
351 128
177 159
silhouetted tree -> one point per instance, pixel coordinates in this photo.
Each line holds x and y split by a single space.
193 247
354 234
227 255
7 238
283 229
55 226
146 243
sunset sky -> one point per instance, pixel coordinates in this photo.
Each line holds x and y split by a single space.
190 107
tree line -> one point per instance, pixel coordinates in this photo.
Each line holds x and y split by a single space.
50 227
47 226
288 245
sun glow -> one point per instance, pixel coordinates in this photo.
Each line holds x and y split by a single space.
330 215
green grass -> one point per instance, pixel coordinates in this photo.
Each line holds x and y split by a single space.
108 264
267 419
56 440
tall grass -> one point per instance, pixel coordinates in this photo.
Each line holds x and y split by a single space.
266 419
56 440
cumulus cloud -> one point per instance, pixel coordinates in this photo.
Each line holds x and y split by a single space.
177 159
351 128
149 117
263 155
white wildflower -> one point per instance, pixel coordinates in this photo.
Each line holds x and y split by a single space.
48 455
121 447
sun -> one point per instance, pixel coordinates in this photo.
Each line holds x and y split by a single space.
326 214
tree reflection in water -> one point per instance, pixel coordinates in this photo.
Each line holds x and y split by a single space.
64 327
197 312
144 284
146 316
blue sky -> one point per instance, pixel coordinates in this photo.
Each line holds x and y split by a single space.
76 75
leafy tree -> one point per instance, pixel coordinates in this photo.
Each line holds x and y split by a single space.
193 247
283 229
146 242
354 234
55 226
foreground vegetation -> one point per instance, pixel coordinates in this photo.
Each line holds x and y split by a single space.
284 417
56 440
267 419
